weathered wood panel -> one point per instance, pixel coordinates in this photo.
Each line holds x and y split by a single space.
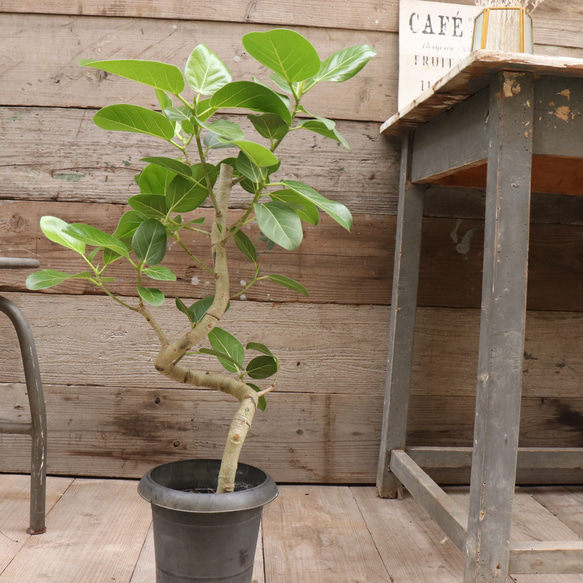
323 348
556 22
71 159
451 260
50 76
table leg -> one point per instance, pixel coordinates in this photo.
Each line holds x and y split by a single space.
402 324
502 327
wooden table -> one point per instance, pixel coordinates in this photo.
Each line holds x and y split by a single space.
509 123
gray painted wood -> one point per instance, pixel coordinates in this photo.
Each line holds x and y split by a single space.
546 557
402 323
443 509
502 327
435 153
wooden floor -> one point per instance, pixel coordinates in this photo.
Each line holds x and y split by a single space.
99 532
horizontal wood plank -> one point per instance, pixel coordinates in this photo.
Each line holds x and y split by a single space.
317 535
556 22
96 536
78 162
50 75
334 265
322 348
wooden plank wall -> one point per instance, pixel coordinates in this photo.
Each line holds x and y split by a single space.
110 413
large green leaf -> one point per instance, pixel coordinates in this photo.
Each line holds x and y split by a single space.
319 126
128 224
184 195
248 169
152 205
149 242
279 223
222 341
160 273
151 295
171 164
245 246
262 367
205 72
306 210
284 52
289 283
200 307
334 209
93 236
49 277
124 117
249 95
259 347
158 75
53 229
154 179
270 126
258 154
345 64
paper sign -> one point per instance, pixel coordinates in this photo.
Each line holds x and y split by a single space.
433 37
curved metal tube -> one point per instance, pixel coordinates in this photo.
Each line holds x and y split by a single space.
38 427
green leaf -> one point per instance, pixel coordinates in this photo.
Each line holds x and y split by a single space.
92 236
284 52
133 118
149 242
152 205
249 95
181 306
151 295
279 223
175 166
54 230
258 154
259 348
319 126
262 403
184 195
245 246
180 113
345 64
289 283
200 307
158 75
205 72
222 341
223 358
334 209
270 126
154 179
49 277
163 99
262 367
128 224
226 130
248 169
160 273
205 110
306 210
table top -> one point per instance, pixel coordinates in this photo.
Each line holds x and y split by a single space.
470 76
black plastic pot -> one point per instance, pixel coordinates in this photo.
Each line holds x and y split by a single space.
204 537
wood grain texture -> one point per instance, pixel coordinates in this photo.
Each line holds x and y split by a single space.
50 74
76 161
317 535
556 22
96 524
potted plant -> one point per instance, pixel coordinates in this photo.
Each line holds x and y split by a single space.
171 191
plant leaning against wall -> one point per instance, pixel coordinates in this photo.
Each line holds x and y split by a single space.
172 188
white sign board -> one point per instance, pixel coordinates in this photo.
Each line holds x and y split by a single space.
433 37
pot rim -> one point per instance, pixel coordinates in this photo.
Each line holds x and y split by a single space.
150 489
